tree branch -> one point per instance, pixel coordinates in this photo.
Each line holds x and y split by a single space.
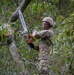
22 7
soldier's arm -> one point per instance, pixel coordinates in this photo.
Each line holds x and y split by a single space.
33 46
43 34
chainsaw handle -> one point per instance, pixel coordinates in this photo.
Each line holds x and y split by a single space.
31 39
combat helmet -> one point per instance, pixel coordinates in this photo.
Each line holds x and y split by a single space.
49 20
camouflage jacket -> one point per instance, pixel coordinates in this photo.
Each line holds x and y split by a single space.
45 42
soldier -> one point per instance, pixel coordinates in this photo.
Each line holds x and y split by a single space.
8 33
45 36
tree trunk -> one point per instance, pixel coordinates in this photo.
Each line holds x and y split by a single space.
10 39
59 4
62 4
16 56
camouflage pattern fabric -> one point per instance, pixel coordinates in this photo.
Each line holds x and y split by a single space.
5 30
44 49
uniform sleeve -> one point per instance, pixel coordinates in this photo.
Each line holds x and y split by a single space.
43 34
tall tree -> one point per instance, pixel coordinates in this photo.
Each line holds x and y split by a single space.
11 45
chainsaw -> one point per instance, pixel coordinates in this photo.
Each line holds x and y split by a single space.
28 38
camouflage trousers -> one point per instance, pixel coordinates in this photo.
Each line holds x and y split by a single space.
43 60
43 67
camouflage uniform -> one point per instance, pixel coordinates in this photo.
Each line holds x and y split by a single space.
44 49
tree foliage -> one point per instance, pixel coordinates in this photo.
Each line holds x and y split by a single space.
62 54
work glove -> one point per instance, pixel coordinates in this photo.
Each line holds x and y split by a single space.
34 33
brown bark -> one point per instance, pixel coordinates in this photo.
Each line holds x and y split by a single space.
22 7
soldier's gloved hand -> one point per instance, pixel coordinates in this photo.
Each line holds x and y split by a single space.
32 30
34 33
31 45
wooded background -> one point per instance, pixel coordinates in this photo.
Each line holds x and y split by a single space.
62 54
